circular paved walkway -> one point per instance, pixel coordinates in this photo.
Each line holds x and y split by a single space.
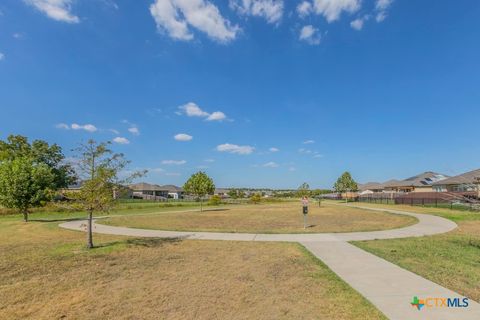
427 225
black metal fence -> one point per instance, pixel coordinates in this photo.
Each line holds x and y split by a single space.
424 202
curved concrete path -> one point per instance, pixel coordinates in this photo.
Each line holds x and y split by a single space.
389 287
427 225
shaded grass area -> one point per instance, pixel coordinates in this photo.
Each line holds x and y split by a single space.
451 259
47 274
285 218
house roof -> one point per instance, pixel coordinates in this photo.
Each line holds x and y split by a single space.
421 180
142 186
465 178
172 188
371 186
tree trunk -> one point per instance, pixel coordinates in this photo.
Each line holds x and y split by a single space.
201 204
25 215
89 230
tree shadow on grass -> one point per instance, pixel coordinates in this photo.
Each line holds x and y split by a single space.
219 209
56 220
139 242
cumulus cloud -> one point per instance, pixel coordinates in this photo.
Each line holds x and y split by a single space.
236 149
270 164
357 24
62 126
308 141
217 116
134 130
75 126
304 9
329 9
191 109
2 56
271 10
177 17
381 6
121 140
59 10
310 35
273 149
174 162
183 137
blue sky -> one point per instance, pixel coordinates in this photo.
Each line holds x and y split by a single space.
272 93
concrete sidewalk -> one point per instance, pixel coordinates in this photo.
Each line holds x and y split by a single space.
386 285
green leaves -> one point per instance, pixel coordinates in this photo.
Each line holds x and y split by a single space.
25 183
199 184
345 183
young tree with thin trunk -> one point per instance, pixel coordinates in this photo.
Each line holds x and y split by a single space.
199 185
345 184
98 168
25 183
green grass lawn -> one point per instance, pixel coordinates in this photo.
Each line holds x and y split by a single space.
46 273
451 259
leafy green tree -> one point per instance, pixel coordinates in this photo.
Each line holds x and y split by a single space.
39 151
25 183
99 169
303 190
345 184
215 200
256 198
241 194
199 185
233 193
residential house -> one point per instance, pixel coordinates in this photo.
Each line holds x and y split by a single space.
465 182
155 192
420 183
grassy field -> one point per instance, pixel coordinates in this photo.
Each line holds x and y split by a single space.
451 259
47 274
284 218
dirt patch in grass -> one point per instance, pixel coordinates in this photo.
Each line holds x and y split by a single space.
451 259
47 274
285 218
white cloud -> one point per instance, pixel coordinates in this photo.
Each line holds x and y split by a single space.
308 141
62 126
381 7
59 10
332 9
121 140
233 148
183 137
304 9
175 17
381 16
271 164
174 162
273 149
134 130
2 56
318 156
357 24
86 127
310 35
305 151
383 4
191 109
271 10
217 116
114 131
209 160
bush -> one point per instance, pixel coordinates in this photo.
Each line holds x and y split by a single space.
255 199
215 200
